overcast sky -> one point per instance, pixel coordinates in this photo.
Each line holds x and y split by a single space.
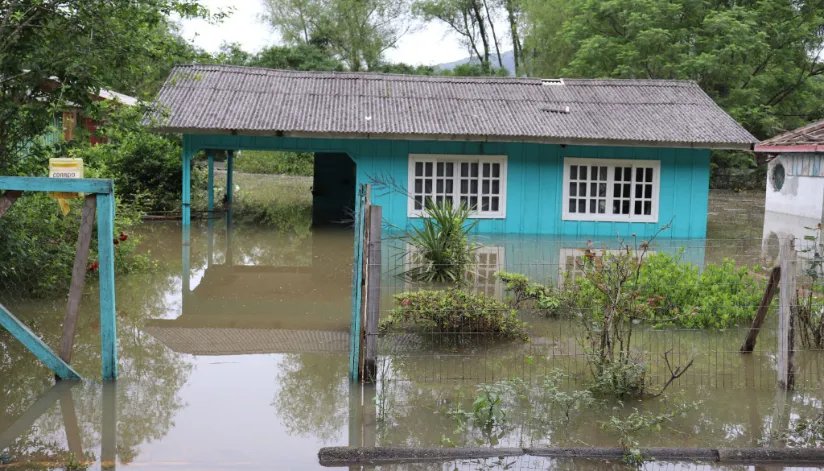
431 45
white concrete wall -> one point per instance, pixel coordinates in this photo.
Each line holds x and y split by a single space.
801 196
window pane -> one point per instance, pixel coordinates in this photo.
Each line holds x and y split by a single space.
593 189
603 173
449 169
602 206
637 207
592 204
464 201
582 189
439 167
494 203
639 174
449 199
583 171
464 186
638 191
616 207
418 185
582 205
573 172
626 190
439 200
496 187
419 202
616 190
627 174
625 207
485 187
648 208
427 186
485 203
473 202
572 205
449 186
464 169
474 168
648 191
486 170
439 186
473 185
617 174
418 169
602 189
496 170
649 175
573 189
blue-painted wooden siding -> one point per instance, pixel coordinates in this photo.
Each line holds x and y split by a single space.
534 180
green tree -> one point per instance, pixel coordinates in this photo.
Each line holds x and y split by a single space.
357 32
299 57
759 59
85 45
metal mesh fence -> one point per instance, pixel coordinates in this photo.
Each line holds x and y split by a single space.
698 298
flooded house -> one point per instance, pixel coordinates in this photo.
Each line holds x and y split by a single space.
563 157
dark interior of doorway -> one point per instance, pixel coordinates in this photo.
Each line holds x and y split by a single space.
333 189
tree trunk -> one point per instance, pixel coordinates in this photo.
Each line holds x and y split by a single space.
482 30
494 34
513 29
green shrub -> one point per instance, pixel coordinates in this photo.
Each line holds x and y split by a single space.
455 311
441 248
271 162
524 292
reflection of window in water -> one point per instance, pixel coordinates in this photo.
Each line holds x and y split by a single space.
480 276
570 258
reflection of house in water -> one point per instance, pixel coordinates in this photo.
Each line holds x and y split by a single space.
795 188
296 304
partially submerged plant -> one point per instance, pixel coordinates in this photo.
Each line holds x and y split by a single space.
810 315
441 250
524 291
455 312
630 426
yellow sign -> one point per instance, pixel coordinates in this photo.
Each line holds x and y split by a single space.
65 168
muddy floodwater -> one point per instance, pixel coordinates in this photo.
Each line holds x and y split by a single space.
241 363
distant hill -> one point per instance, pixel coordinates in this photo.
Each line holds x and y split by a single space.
508 58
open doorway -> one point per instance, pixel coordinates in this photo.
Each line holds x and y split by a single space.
333 189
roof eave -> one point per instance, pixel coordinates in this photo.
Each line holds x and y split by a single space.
786 149
742 146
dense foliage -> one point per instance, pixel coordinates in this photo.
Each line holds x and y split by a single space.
276 163
455 312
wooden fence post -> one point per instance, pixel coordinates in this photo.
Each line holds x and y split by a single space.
81 260
373 296
763 308
105 253
7 200
786 314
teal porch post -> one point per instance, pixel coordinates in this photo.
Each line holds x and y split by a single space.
105 253
230 190
187 216
211 207
35 345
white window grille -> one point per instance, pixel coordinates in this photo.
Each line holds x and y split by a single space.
480 275
570 260
611 190
479 182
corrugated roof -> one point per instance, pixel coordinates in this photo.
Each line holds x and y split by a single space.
254 101
804 139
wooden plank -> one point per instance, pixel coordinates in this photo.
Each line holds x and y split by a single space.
357 276
7 200
40 407
35 345
786 313
374 294
763 308
105 253
364 284
81 260
69 414
73 185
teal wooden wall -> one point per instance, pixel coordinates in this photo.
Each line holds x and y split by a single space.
534 180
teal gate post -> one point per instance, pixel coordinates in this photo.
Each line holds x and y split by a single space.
104 191
361 203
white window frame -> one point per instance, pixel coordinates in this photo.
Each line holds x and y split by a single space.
611 164
480 276
569 257
457 160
